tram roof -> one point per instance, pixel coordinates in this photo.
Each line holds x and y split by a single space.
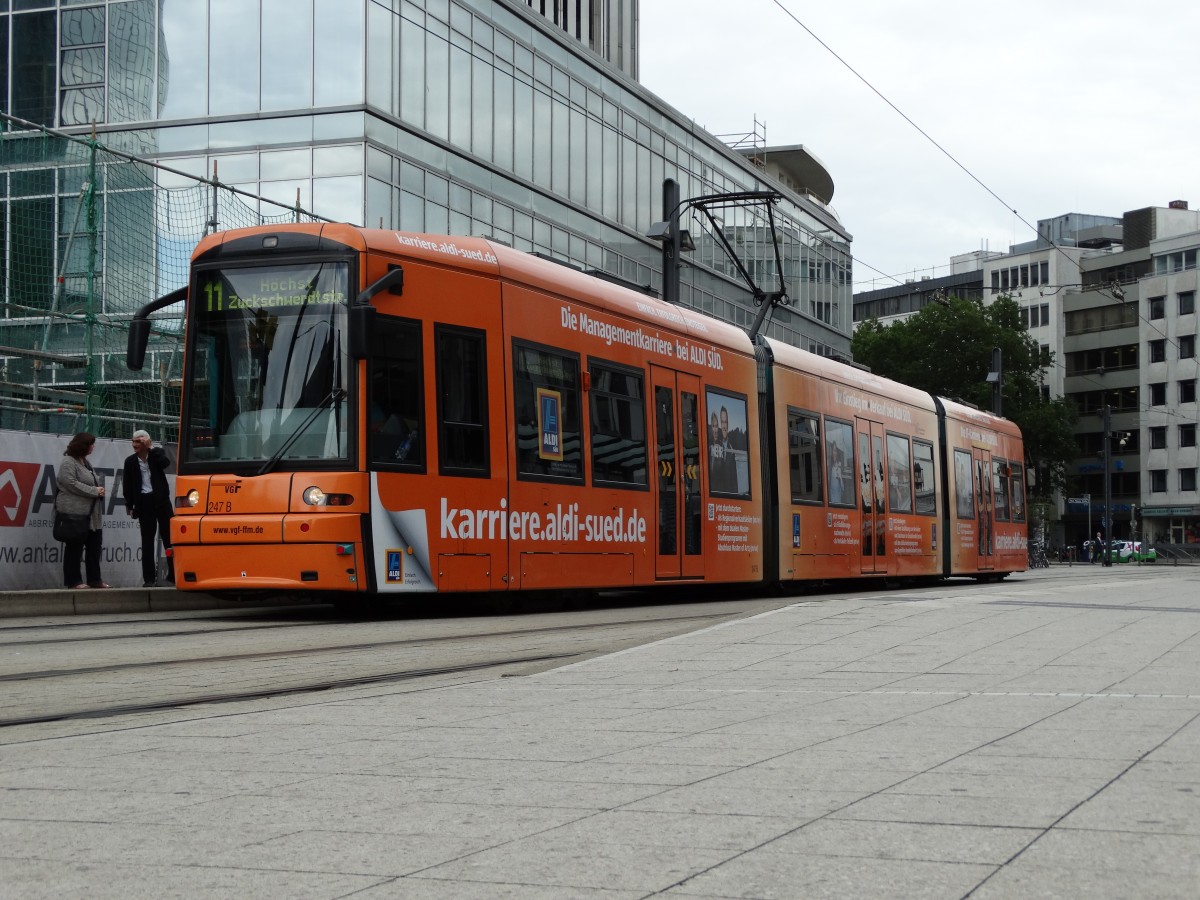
957 410
489 257
476 254
832 370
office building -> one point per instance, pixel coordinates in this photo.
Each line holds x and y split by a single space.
1113 298
900 301
514 119
1130 344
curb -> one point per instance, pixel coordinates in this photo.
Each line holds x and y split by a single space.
124 600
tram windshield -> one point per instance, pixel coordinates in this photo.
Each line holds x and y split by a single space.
267 370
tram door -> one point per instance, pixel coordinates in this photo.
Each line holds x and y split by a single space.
676 474
872 496
981 472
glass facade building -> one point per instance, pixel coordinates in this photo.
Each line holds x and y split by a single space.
481 117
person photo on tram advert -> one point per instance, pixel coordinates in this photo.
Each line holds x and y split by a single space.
864 492
80 494
729 471
900 497
839 457
734 436
837 472
1000 489
982 485
963 495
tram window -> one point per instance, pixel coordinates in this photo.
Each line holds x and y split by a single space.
804 457
546 412
728 448
839 458
395 379
617 408
924 479
964 491
1018 492
1000 488
900 494
462 401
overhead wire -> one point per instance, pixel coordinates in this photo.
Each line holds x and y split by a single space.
950 156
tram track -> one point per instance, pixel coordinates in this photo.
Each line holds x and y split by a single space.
129 635
155 666
280 691
326 648
275 628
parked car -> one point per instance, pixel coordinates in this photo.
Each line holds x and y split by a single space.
1142 553
1131 551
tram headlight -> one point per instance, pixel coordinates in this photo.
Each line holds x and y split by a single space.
193 497
314 496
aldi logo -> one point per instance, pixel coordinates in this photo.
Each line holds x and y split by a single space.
395 566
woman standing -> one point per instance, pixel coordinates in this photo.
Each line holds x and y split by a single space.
79 492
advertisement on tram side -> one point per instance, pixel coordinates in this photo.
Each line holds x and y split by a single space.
859 490
607 474
987 492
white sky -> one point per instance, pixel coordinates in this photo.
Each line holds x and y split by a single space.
1057 106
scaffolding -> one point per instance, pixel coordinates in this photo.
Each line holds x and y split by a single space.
88 235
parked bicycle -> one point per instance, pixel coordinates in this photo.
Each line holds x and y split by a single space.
1037 557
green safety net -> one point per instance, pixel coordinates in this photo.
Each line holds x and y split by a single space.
88 236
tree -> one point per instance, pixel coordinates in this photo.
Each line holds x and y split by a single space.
946 349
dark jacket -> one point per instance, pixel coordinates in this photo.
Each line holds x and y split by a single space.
131 483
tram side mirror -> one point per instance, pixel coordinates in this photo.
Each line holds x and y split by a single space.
362 313
139 327
362 321
135 349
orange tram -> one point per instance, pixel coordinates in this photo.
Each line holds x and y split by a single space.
370 411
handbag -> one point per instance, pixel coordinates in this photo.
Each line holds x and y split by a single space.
71 526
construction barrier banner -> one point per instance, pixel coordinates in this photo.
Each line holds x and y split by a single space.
30 558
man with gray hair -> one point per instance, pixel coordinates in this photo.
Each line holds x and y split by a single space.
148 499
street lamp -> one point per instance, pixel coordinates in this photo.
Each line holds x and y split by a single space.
996 379
1107 487
1122 439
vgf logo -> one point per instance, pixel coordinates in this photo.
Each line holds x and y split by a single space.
233 488
18 487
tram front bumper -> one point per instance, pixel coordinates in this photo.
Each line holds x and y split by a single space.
277 567
272 553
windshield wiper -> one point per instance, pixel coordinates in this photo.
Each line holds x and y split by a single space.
337 386
337 395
